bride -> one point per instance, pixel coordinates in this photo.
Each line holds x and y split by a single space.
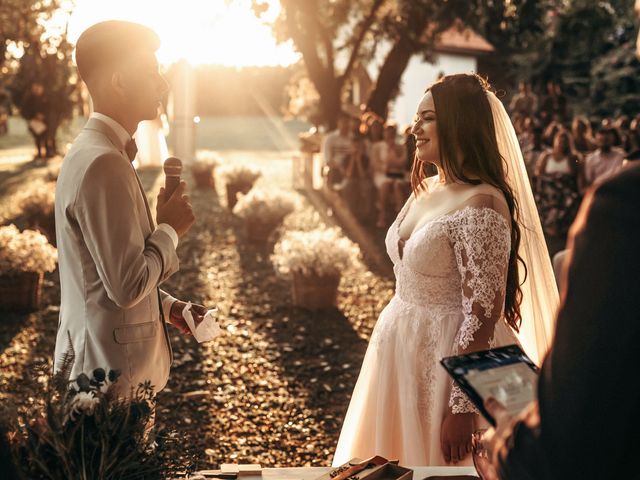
462 247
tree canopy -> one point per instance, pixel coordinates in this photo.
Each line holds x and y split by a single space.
333 36
39 69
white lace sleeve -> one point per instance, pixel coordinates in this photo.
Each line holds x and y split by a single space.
482 242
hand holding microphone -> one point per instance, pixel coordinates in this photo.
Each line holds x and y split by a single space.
172 169
173 206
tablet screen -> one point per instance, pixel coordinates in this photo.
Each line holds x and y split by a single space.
505 374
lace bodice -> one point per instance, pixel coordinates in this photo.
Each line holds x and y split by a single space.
457 260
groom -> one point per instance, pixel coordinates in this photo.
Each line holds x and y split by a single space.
112 254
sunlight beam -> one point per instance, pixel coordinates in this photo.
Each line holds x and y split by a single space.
213 32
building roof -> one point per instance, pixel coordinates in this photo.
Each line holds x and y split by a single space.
462 39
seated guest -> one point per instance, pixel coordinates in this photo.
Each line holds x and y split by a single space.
358 191
557 189
606 160
524 102
582 135
336 148
388 167
525 137
634 134
554 105
550 131
585 423
533 152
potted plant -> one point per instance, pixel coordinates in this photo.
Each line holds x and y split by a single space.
264 210
24 257
87 429
314 261
202 169
36 205
238 178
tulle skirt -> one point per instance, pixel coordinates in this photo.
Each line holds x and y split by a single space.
402 392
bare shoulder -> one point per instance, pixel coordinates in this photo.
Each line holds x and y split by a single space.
490 197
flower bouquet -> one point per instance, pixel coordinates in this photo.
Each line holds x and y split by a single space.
24 257
238 178
314 260
86 431
202 169
264 210
36 205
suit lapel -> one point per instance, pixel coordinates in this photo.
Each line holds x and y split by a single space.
99 126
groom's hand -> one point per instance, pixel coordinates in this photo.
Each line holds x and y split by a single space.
178 321
175 211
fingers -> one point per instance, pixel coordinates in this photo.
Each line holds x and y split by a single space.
462 452
454 454
497 410
446 452
201 309
179 191
161 196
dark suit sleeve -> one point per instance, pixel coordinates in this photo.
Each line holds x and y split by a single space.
588 391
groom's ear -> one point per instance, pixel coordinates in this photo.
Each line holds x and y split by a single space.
117 83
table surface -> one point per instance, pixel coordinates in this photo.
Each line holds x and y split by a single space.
311 473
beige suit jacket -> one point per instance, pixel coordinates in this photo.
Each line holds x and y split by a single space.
111 261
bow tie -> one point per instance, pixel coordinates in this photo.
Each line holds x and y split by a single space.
131 148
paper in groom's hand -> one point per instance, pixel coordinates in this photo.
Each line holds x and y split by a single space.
207 329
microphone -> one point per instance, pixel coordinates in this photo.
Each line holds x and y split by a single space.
172 169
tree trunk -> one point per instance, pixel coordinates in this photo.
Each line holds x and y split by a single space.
330 104
388 82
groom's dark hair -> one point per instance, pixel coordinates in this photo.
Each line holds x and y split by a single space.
102 46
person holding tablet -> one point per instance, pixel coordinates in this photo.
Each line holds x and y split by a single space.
586 423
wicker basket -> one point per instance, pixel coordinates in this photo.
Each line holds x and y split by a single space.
203 179
313 291
21 291
258 232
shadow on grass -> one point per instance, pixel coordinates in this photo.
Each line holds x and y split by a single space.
320 351
186 399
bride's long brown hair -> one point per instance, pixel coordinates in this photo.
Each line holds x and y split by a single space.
468 146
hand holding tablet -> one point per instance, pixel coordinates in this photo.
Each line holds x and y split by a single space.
504 373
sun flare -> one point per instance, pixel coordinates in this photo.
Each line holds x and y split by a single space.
221 32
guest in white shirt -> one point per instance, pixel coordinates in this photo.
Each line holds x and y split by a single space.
336 149
606 160
388 167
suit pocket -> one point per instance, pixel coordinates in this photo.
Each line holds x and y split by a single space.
138 332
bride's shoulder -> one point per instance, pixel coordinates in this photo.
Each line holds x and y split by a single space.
487 199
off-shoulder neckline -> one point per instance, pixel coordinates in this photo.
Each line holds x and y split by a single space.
457 210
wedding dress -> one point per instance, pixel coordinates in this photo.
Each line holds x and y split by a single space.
450 272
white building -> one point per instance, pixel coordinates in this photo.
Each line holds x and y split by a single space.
456 51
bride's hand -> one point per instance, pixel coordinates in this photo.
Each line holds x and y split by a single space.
455 437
